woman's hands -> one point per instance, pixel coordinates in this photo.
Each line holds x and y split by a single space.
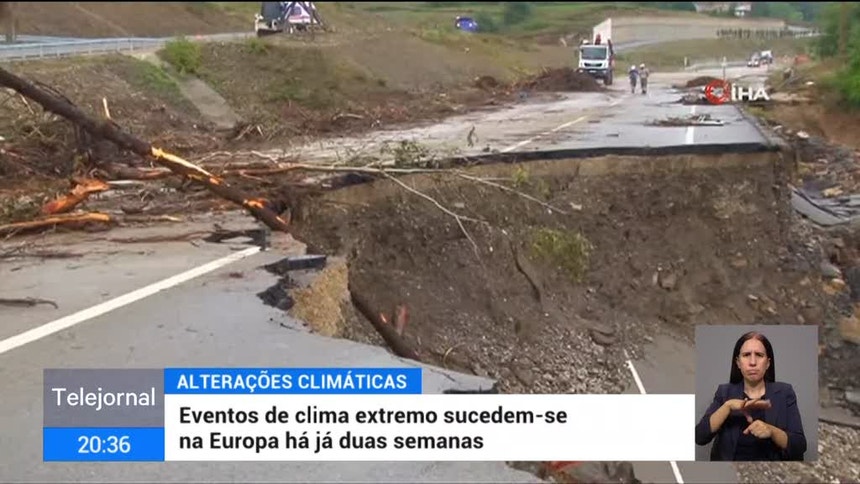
736 405
758 428
746 406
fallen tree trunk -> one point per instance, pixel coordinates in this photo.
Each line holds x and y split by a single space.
82 190
73 219
120 172
256 168
79 220
387 331
110 131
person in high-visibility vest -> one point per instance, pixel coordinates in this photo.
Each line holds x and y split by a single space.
643 78
633 74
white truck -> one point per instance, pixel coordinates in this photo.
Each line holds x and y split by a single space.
763 57
598 60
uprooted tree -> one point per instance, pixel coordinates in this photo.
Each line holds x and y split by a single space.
58 211
261 209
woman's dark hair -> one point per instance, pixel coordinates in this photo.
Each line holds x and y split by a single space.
770 375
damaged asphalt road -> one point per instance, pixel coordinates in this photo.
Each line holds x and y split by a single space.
216 317
614 121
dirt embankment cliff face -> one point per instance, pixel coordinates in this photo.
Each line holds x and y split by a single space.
551 300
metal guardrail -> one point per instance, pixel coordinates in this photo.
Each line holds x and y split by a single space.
73 48
69 48
714 65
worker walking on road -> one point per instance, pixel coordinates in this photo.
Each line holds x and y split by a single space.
643 77
634 76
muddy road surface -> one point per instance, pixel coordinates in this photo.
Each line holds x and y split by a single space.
611 120
613 239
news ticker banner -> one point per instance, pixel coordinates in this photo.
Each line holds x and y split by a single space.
343 414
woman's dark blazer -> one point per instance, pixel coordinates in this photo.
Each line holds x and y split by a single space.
782 414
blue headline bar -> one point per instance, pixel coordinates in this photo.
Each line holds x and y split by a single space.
102 444
267 381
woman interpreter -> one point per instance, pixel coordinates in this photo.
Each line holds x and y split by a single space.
753 417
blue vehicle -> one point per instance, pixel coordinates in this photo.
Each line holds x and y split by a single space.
466 24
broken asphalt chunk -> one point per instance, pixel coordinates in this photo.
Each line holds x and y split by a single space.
298 263
258 236
278 297
453 391
811 210
691 120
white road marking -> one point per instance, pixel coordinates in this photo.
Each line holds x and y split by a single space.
689 138
538 136
636 378
676 471
565 125
673 464
553 130
518 145
66 322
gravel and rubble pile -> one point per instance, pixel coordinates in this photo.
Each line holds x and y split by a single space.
561 80
831 173
552 80
561 360
824 166
700 81
838 462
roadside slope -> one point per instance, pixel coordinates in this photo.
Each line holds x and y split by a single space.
296 88
127 19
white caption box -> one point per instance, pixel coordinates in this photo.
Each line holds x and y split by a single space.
593 428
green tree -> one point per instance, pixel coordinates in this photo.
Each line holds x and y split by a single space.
831 22
486 23
787 11
809 10
840 23
682 6
516 12
784 11
828 42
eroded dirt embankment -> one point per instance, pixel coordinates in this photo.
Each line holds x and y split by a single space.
550 300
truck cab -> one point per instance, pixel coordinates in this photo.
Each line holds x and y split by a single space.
597 60
761 58
270 20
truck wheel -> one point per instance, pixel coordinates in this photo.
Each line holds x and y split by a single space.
607 81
